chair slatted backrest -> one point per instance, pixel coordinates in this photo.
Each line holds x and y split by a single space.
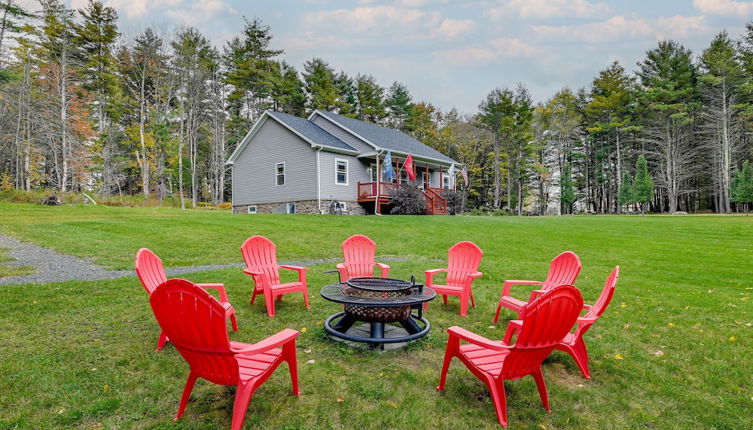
195 323
563 270
605 297
359 251
546 321
150 270
260 255
462 259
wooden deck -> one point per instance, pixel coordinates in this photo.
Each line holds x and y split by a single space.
368 192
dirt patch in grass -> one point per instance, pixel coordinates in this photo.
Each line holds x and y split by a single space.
7 269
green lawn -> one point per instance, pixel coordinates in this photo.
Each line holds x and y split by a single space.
11 269
673 350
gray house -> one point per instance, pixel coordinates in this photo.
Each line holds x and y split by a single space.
327 162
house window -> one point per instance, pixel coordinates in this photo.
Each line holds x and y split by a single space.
291 208
372 171
252 209
446 182
280 173
340 207
341 172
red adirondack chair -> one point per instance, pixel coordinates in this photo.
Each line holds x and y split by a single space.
359 252
151 273
195 323
544 323
573 343
463 260
563 270
260 255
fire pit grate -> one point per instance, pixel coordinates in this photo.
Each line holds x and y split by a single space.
383 285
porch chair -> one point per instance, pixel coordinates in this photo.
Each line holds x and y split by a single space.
563 270
260 255
151 273
463 260
195 323
544 324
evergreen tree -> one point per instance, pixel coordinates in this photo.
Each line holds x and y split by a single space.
370 98
495 113
742 186
627 190
567 189
319 79
287 91
12 18
398 104
346 95
644 185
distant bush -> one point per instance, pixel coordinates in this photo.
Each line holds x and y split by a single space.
408 200
226 205
454 202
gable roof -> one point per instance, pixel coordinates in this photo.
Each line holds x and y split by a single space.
385 138
303 128
311 131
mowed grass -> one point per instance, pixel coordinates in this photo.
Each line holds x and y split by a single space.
672 351
12 269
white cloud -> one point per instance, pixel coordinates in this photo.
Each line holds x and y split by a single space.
620 28
374 20
546 9
132 8
514 48
199 11
451 29
725 7
498 50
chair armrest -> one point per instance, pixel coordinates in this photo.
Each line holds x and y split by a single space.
512 328
343 271
476 275
586 307
430 275
385 269
301 271
220 288
475 339
271 342
508 284
251 272
535 295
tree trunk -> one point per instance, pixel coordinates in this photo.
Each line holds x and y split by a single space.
496 170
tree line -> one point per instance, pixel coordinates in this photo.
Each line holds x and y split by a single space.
83 108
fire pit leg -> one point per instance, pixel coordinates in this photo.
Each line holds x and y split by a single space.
345 323
377 332
410 325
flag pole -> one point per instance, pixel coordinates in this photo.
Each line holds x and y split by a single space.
378 185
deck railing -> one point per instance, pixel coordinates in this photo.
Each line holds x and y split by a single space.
435 202
369 189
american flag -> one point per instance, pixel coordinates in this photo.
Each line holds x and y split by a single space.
464 174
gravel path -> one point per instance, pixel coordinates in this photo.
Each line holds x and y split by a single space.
52 266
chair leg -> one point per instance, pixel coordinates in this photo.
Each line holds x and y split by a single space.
290 356
186 394
541 385
496 314
253 296
242 398
444 298
464 305
270 301
162 341
497 391
306 298
426 306
452 345
473 300
279 298
234 322
580 354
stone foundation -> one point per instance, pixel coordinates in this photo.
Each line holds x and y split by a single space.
301 207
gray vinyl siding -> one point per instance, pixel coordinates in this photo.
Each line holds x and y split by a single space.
330 188
341 134
253 174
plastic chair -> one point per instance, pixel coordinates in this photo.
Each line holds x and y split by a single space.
359 251
463 260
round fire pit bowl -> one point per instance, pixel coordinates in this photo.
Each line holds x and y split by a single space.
378 301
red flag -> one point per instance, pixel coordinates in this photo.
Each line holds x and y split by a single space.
408 166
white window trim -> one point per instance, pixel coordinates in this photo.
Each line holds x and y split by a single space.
449 181
284 179
248 210
343 206
347 172
288 206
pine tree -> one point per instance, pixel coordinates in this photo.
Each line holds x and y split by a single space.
495 113
347 103
742 186
287 91
370 98
398 104
644 185
12 18
319 79
567 189
627 190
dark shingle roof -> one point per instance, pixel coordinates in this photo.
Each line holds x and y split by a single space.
387 138
311 131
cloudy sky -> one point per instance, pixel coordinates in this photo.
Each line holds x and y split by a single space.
453 52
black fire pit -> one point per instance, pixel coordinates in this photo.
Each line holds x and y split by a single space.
378 301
